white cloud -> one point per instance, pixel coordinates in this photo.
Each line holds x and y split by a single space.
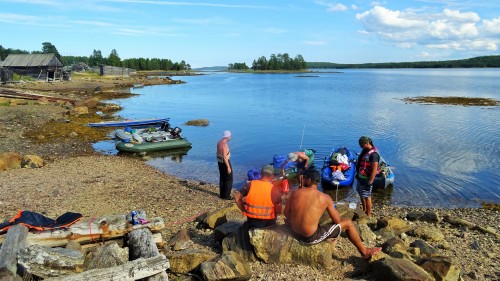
333 7
449 29
492 26
337 8
315 43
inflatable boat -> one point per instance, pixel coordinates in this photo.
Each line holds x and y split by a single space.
154 145
131 123
342 178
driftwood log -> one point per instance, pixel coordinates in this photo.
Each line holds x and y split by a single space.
141 245
15 241
90 230
133 270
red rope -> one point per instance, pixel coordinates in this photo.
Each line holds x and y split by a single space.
186 220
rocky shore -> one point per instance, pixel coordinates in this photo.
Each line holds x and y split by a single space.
77 179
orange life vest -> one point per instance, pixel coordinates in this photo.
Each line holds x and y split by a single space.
258 202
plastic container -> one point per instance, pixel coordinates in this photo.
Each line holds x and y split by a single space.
352 205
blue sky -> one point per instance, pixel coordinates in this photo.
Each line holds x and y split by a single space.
218 32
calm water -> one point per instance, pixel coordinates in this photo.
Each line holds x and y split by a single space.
443 156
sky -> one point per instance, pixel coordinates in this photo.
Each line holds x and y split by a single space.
218 32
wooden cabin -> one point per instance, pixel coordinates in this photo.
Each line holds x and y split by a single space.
44 67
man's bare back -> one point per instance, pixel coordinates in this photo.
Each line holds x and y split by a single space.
306 206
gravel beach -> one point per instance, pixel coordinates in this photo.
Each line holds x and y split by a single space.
77 179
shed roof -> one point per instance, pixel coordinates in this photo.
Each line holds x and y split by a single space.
31 60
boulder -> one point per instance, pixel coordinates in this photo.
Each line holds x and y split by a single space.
441 268
396 225
186 260
275 245
428 233
10 160
425 249
180 240
225 229
239 241
228 266
89 103
48 262
32 161
366 234
109 255
79 110
395 269
432 217
218 217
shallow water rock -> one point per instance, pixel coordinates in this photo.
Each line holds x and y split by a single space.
197 122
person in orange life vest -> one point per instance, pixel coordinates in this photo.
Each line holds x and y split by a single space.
367 167
302 163
225 168
261 201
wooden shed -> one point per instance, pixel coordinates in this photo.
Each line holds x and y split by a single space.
45 67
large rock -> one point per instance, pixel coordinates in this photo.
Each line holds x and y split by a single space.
228 266
428 233
180 240
393 269
50 262
275 245
186 260
218 217
10 160
107 256
423 216
79 110
425 249
32 161
89 103
223 230
396 225
441 268
239 241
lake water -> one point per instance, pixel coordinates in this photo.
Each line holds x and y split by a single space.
442 155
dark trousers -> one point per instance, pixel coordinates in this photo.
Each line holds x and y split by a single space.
226 180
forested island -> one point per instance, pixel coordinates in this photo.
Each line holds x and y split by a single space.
279 62
477 62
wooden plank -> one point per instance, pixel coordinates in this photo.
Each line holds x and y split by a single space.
90 230
14 242
133 270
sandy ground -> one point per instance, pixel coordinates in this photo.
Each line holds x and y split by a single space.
77 179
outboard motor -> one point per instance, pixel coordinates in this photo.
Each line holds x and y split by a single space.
176 132
165 126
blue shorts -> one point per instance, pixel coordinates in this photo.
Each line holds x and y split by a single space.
363 189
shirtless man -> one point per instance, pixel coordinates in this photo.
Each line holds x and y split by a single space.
304 209
225 168
302 163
